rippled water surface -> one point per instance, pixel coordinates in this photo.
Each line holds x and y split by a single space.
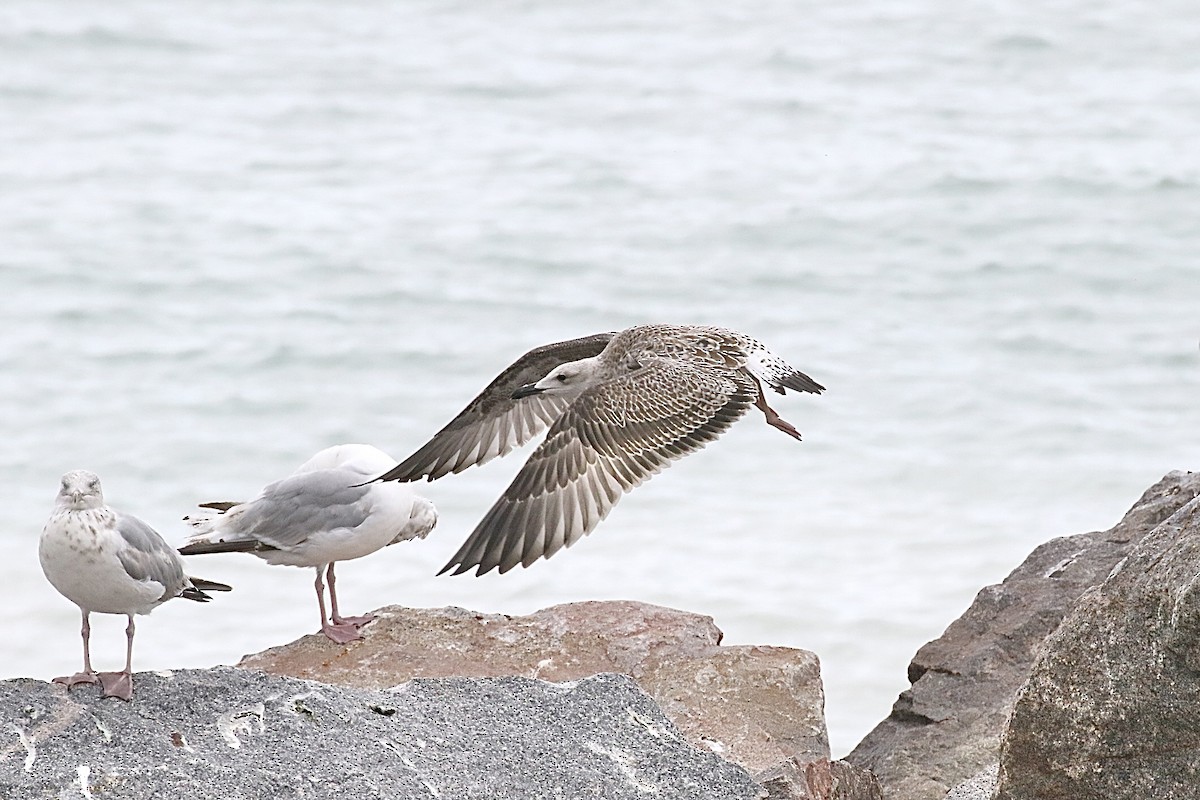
234 233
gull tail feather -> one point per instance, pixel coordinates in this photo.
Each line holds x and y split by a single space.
200 587
202 547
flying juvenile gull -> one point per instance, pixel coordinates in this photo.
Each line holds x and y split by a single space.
110 563
620 408
320 514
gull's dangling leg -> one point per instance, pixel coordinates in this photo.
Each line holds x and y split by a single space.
774 419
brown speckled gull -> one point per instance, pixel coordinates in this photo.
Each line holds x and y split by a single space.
620 408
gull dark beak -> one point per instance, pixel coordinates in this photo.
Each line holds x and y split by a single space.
526 391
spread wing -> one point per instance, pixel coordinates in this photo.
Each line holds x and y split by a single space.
613 437
494 423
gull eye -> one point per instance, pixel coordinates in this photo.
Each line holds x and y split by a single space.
561 378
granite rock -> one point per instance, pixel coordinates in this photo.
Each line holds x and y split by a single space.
242 735
947 726
1110 708
981 786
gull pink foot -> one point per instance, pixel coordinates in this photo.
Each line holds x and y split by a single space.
778 421
117 684
78 678
357 622
340 633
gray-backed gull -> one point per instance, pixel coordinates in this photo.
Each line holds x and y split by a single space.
320 514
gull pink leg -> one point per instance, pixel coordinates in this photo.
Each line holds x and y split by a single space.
337 618
773 419
334 631
88 675
120 684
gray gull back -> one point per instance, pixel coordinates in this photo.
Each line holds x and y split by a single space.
325 512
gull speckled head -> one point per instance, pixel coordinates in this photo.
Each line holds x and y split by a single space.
80 490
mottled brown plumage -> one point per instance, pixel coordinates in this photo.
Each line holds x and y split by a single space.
647 396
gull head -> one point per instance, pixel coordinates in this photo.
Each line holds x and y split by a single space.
80 490
565 379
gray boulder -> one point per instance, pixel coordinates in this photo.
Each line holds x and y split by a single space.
241 735
947 726
1111 709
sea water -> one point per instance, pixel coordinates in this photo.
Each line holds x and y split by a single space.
232 234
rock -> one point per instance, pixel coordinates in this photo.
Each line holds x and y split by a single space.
232 733
564 642
818 780
1110 707
982 786
756 706
946 727
854 783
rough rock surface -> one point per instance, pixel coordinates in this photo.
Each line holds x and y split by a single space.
980 787
240 735
819 780
756 706
946 727
853 783
1110 708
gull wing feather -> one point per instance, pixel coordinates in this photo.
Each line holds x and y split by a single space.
613 437
494 423
146 557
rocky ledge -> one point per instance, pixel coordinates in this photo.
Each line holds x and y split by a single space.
233 733
586 700
1074 678
760 707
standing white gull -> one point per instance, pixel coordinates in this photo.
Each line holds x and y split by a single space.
110 563
620 408
319 515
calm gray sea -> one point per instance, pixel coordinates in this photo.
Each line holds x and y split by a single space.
232 233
